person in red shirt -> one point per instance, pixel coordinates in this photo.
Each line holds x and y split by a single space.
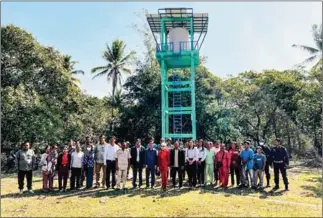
163 163
63 166
235 164
222 159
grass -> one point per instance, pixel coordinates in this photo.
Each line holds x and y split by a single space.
304 200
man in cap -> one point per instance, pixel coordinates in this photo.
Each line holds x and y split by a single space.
280 160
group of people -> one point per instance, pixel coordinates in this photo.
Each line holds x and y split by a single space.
204 163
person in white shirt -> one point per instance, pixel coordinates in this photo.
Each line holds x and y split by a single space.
216 149
46 169
122 162
111 162
76 166
185 148
191 159
201 163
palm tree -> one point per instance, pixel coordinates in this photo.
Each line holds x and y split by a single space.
116 65
68 65
114 102
315 52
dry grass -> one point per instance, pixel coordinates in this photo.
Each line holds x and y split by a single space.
304 200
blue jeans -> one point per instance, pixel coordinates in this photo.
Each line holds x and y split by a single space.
150 170
89 177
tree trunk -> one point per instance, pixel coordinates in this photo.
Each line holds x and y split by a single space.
289 147
112 117
275 126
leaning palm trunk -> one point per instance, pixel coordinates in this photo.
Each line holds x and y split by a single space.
112 118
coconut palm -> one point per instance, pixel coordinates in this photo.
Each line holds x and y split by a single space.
114 102
316 53
68 65
117 64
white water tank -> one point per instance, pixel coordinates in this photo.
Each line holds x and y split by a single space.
177 35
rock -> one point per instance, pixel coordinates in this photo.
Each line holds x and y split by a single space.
102 201
41 197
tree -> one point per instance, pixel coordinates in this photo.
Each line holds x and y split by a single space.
316 53
114 102
69 67
117 64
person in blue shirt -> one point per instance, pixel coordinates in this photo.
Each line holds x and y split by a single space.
154 145
259 166
247 166
151 164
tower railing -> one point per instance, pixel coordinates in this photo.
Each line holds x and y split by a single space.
164 47
183 46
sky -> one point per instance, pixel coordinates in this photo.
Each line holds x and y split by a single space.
241 36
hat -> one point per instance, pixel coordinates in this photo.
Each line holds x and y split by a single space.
247 142
162 139
169 139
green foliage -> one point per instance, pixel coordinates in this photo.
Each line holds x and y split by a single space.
40 101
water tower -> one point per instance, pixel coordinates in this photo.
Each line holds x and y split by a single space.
177 32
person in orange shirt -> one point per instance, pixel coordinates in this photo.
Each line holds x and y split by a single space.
163 163
222 159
